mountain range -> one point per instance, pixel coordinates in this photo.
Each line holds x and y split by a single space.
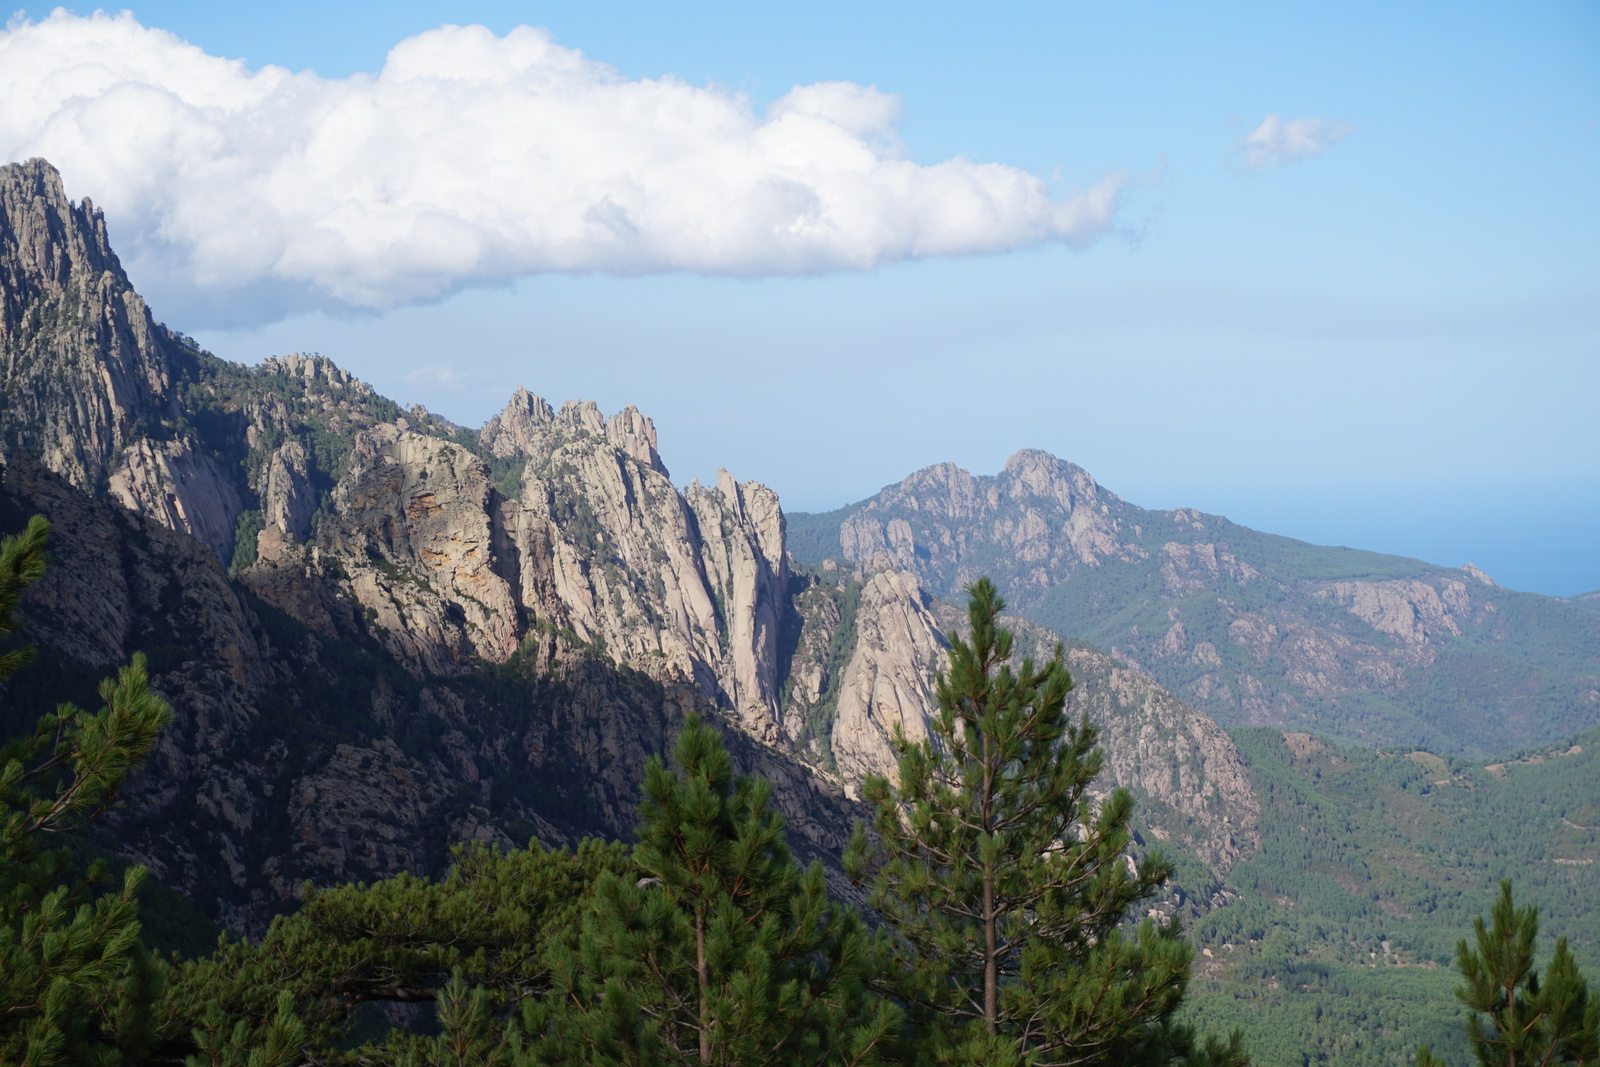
383 632
1251 628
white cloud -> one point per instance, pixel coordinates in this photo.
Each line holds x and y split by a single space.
449 379
1276 142
475 159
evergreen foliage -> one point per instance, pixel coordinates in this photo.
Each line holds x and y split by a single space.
490 922
704 943
1518 1018
277 1042
1007 892
722 951
75 982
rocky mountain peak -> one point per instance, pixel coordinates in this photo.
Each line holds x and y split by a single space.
515 431
1038 515
91 381
1032 472
635 434
1034 462
46 241
528 427
313 367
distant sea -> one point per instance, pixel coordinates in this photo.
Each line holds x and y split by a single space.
1539 538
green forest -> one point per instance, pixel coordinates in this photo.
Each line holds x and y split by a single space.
1373 865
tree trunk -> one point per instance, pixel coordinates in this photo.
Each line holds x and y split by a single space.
704 976
991 977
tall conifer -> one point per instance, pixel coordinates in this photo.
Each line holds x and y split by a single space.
721 950
1007 890
1518 1017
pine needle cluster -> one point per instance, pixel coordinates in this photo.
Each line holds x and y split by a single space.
75 981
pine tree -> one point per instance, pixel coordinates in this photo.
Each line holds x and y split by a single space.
476 942
1007 891
277 1042
468 1033
73 976
1532 1020
720 950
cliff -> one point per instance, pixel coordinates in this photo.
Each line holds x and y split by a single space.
92 385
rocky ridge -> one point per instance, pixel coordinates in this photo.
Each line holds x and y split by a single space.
1250 628
311 740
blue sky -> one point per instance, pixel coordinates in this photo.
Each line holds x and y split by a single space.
1390 339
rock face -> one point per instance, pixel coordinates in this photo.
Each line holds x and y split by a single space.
1191 785
606 547
413 540
288 497
384 633
312 749
1250 628
888 681
92 385
742 530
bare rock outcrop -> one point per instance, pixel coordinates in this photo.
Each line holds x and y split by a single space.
412 534
609 550
595 541
889 682
519 429
1411 610
288 497
689 584
741 529
91 382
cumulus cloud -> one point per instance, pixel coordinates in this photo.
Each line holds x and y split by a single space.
474 159
1276 141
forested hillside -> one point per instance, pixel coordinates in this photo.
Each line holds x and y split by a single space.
1338 942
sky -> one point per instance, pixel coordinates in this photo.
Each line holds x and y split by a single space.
1329 270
